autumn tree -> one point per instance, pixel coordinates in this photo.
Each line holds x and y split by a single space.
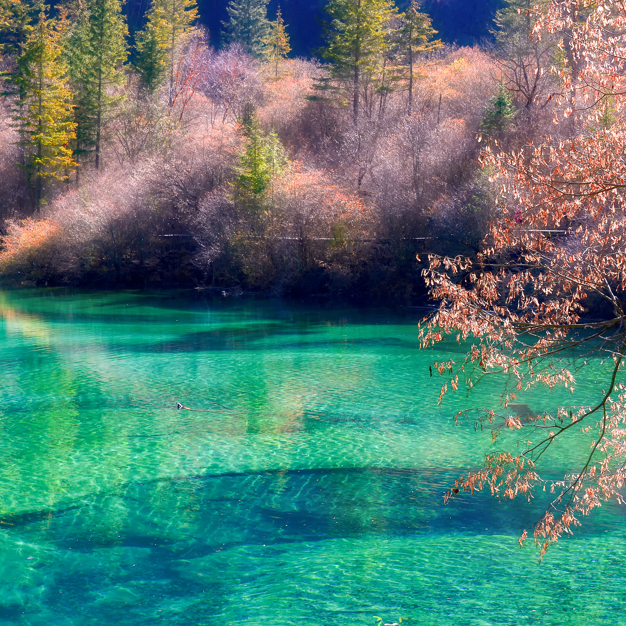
248 25
277 42
545 296
193 65
357 41
43 109
96 51
159 44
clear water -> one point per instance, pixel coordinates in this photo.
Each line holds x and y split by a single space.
313 498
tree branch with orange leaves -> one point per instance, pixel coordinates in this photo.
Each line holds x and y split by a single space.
555 254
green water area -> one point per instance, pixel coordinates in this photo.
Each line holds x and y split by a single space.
306 488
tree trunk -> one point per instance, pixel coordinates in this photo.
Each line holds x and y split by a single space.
410 111
355 96
173 44
38 172
99 106
99 119
357 68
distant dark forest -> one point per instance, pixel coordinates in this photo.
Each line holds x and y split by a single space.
465 22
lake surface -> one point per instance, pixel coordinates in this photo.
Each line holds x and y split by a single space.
306 487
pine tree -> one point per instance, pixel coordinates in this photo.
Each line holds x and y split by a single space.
263 159
248 25
44 115
151 62
358 39
17 18
516 19
415 37
277 43
500 112
96 50
159 44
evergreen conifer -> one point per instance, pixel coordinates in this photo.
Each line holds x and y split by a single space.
262 160
500 112
17 18
96 50
415 37
358 40
44 110
159 44
277 43
248 25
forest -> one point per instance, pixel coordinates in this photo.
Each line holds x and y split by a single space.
165 161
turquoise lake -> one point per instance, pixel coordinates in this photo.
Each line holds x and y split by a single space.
305 488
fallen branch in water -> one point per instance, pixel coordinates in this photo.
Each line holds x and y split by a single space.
182 407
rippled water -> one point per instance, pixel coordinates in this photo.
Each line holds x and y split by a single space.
307 491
